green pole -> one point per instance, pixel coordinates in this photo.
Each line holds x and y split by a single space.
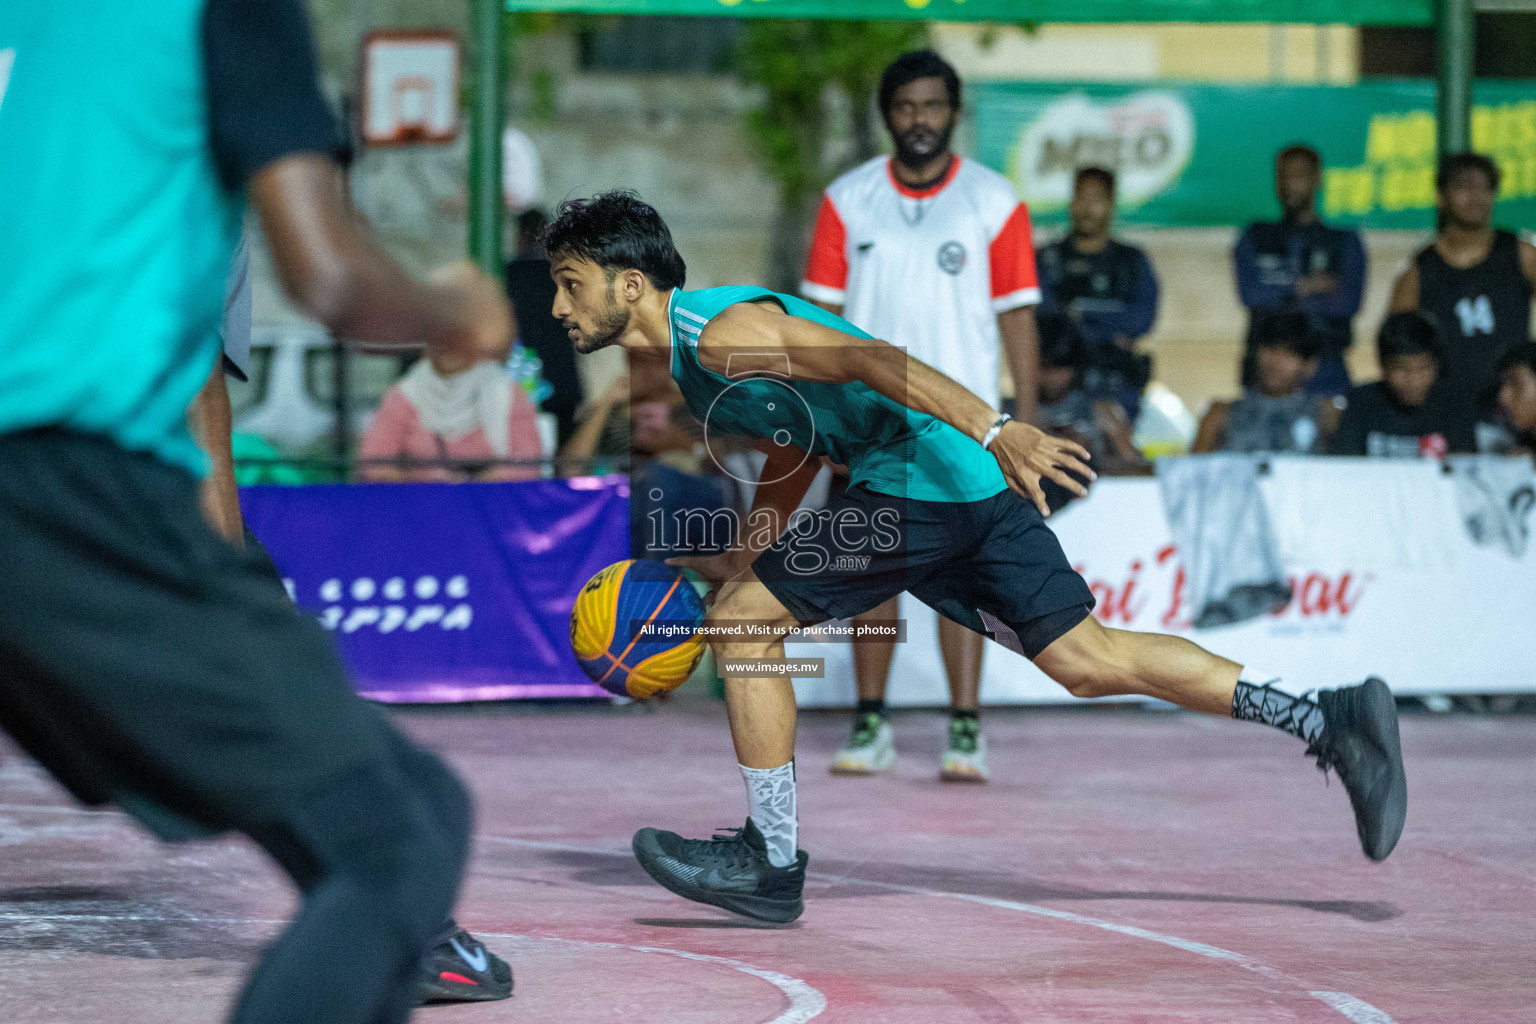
1453 92
487 117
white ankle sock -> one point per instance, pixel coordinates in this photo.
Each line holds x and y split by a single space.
771 806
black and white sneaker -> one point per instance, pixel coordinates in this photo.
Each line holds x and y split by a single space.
459 969
1360 743
730 871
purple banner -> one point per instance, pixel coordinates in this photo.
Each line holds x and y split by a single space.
447 592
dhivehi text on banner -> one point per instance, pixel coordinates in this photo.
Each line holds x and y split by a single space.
447 592
1204 154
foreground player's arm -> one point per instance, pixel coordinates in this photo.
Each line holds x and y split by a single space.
819 353
209 418
331 265
1021 344
273 136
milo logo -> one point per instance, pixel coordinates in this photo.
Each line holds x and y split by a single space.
1146 138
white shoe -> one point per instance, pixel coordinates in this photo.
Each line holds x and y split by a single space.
872 748
965 760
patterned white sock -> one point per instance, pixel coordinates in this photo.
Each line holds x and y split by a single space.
1264 697
771 806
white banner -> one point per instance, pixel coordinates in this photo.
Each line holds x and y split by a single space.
1386 580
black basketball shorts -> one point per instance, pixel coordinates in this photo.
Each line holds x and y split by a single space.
991 565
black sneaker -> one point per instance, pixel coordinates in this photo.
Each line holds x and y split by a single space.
459 969
1360 743
730 871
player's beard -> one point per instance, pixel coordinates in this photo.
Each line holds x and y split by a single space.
920 144
611 324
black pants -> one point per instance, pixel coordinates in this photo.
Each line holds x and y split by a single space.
147 663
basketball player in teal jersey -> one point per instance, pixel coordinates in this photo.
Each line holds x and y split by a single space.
144 661
944 501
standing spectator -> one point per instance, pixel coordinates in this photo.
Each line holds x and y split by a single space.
1276 414
933 253
451 408
1517 394
1300 263
532 292
1106 286
1405 414
1474 280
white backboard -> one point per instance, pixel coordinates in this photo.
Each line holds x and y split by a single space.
410 87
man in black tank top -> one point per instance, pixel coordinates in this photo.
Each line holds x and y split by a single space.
1475 281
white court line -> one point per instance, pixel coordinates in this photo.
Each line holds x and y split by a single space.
1348 1006
805 1002
1357 1010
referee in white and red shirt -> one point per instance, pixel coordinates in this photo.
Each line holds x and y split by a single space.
933 253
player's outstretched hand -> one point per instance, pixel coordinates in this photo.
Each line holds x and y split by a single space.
481 307
1026 453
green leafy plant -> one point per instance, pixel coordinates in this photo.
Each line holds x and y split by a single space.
795 63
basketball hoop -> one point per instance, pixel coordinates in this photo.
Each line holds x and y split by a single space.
410 87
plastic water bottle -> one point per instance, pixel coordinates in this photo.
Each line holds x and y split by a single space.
527 370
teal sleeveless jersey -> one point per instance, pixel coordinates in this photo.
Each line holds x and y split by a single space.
887 447
115 233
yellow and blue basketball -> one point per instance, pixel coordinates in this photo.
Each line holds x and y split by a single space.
606 626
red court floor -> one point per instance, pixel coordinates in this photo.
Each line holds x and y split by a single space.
1124 866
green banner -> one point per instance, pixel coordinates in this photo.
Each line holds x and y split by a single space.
1348 12
1204 154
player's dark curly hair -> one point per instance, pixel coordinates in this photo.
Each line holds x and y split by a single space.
617 230
911 66
1410 333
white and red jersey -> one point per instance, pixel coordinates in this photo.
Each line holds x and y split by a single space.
928 271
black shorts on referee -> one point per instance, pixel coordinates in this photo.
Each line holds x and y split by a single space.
991 565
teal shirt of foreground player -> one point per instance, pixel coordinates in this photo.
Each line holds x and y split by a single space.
115 232
887 447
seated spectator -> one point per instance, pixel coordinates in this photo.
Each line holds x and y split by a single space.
1406 414
601 441
1298 263
1066 408
1517 394
448 409
1106 286
1276 414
